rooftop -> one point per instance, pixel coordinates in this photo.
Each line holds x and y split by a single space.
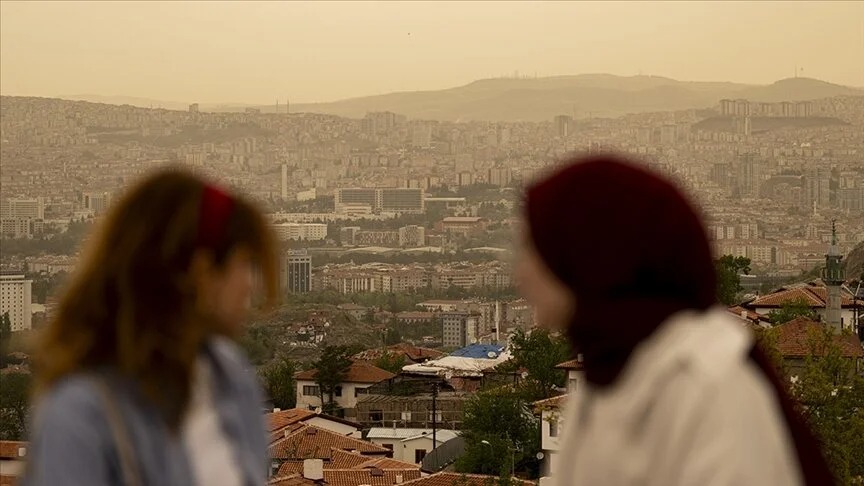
358 372
793 340
310 442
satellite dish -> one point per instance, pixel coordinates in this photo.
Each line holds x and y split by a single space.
317 409
540 456
492 355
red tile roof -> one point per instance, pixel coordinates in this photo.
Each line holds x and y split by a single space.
310 442
550 403
359 372
284 418
816 295
292 480
573 364
9 449
793 340
284 431
339 459
449 479
371 476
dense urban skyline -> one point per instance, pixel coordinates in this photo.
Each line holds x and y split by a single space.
255 53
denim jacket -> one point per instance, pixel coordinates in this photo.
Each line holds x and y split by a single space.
72 442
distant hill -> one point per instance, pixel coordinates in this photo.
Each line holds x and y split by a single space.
127 100
536 99
595 94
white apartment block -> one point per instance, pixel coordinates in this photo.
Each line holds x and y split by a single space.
15 298
300 231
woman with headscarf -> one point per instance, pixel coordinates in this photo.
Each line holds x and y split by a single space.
677 392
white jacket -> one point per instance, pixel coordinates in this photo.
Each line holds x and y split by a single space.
690 408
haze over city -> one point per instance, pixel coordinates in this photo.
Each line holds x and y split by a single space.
256 52
506 243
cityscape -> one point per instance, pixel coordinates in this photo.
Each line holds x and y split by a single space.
401 333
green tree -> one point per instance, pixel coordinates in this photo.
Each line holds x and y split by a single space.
14 405
728 269
538 352
500 433
392 362
279 382
392 336
831 393
331 368
5 337
790 310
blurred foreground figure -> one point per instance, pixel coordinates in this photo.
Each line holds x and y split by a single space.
138 381
677 394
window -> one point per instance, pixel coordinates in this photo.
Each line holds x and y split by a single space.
438 417
376 415
553 428
338 391
310 391
419 454
360 391
406 416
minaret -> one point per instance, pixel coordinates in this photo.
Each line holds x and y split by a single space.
833 277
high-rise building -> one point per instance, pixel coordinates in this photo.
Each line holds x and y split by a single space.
33 208
97 201
300 231
412 236
500 176
421 135
193 108
296 274
16 298
459 329
391 199
817 183
563 125
749 176
284 182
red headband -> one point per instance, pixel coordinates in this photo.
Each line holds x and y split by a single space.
216 206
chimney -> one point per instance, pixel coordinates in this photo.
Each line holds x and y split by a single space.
277 410
398 479
743 314
313 469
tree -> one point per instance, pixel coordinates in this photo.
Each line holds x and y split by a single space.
500 433
538 352
279 383
728 269
14 405
332 367
392 362
5 337
392 336
831 395
790 310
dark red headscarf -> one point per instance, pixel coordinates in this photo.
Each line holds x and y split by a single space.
633 251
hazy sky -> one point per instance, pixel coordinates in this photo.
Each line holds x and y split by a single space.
257 52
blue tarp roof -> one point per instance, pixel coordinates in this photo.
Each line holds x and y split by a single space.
478 351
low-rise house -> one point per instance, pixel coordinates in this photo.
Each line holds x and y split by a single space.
411 354
360 375
279 421
795 343
814 294
409 444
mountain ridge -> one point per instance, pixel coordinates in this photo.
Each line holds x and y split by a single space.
537 99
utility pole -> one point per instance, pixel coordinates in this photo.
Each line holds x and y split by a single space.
434 416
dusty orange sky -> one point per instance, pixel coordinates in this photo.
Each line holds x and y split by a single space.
257 52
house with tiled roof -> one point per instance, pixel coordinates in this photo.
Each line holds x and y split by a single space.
814 294
311 442
360 375
410 445
12 454
281 421
795 341
451 479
